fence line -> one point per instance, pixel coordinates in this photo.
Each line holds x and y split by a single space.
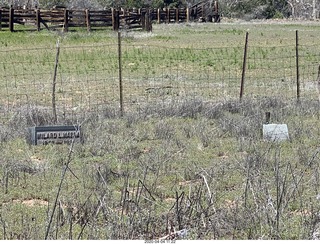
65 19
115 18
88 76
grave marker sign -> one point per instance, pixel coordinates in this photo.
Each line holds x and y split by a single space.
44 135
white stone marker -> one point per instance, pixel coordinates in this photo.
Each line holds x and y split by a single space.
275 132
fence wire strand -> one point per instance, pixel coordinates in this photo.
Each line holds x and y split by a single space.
87 78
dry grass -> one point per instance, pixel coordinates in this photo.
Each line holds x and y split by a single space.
177 160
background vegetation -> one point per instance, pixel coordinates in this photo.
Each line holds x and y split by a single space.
174 163
247 9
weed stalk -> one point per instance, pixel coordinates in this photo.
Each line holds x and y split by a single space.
69 159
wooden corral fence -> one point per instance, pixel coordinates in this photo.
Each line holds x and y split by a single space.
204 11
37 19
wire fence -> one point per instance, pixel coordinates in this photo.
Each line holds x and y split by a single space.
91 78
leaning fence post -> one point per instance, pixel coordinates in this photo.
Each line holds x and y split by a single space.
11 19
54 109
297 67
120 74
244 66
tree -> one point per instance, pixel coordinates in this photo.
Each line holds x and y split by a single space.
256 8
171 3
51 3
110 3
249 9
157 4
134 4
83 4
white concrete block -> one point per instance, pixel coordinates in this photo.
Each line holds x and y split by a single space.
275 132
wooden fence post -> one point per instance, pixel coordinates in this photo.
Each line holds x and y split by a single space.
159 15
187 14
65 21
11 19
177 15
148 21
202 11
268 115
37 19
115 19
0 19
113 11
143 20
88 20
215 7
168 15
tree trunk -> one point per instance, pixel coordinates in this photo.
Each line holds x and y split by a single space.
292 9
314 13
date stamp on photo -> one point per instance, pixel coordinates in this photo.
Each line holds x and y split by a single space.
159 241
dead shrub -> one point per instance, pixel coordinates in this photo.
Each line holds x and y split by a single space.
187 108
28 116
164 130
4 133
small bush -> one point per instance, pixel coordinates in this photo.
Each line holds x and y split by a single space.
28 116
4 133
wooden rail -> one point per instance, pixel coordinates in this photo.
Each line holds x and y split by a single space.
65 19
37 19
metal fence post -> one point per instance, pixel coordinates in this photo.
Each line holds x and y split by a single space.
297 66
244 66
120 74
54 82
